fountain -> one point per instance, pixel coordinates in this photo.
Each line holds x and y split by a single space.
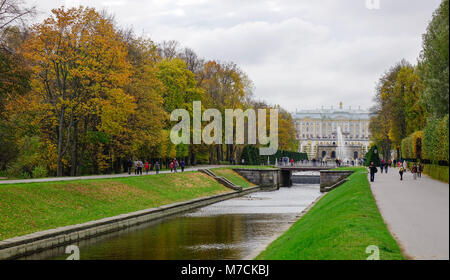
342 150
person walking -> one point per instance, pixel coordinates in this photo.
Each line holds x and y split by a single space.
129 166
382 166
140 165
292 162
136 163
372 169
147 167
157 167
420 170
414 171
386 167
401 170
182 164
175 165
171 166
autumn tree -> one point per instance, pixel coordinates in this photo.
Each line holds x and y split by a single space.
226 87
79 64
146 123
14 74
12 12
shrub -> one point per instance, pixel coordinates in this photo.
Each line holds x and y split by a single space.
39 172
3 173
406 147
24 175
27 159
373 156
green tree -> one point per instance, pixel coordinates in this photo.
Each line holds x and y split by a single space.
434 63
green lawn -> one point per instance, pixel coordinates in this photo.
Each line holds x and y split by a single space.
32 207
233 177
340 226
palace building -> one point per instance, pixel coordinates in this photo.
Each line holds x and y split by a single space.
318 132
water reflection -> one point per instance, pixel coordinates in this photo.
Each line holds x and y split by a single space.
231 229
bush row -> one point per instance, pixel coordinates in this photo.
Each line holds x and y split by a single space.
412 146
436 139
250 154
431 144
437 172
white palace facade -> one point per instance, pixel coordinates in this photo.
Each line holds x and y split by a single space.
317 131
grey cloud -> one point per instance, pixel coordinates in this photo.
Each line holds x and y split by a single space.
298 53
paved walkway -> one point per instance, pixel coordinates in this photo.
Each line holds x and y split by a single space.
57 179
416 212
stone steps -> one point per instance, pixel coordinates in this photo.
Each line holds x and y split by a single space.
224 181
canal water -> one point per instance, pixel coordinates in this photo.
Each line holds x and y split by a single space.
230 230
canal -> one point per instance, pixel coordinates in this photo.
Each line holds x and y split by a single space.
230 230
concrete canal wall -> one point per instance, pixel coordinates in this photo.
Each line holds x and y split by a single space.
331 179
265 178
271 178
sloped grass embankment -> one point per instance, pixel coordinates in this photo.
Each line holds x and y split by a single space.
339 227
32 207
233 177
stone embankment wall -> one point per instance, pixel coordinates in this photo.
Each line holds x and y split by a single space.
264 178
330 179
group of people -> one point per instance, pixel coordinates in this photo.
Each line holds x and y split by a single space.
285 161
384 165
416 169
139 166
174 164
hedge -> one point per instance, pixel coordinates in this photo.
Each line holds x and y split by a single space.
437 172
250 154
436 140
406 147
430 146
412 146
417 144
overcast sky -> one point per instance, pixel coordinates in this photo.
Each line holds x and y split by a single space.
299 53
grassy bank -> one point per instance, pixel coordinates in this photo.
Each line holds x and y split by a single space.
27 208
340 226
233 177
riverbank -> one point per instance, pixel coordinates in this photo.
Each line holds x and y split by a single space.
340 226
33 207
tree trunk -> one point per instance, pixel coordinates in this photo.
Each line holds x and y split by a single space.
59 170
74 167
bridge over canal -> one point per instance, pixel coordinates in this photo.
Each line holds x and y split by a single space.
284 177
